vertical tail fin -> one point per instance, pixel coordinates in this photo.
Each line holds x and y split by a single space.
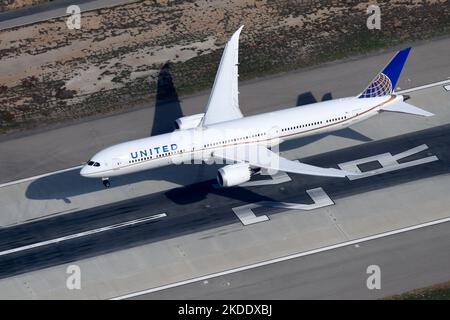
385 82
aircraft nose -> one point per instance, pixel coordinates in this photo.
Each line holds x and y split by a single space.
84 171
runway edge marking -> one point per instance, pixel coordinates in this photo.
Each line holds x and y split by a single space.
426 86
285 258
38 176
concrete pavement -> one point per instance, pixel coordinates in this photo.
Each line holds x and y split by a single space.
50 10
335 274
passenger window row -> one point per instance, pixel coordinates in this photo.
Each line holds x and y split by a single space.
96 164
140 159
234 140
302 126
313 124
157 156
336 119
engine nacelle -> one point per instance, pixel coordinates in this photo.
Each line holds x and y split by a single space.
234 174
189 121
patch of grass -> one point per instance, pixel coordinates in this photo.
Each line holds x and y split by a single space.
6 116
123 76
198 73
7 121
436 292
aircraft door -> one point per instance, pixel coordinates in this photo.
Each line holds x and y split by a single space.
116 163
197 144
355 113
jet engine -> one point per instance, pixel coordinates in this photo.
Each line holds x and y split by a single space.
189 121
234 174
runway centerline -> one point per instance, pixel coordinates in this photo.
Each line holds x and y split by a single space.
83 234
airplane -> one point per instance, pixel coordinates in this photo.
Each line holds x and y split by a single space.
247 144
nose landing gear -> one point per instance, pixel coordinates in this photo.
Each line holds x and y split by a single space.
106 182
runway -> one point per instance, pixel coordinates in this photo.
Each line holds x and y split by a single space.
171 224
201 207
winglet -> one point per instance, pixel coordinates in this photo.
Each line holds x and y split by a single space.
385 82
223 102
235 35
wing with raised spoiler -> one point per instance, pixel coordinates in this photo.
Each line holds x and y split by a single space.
261 157
223 103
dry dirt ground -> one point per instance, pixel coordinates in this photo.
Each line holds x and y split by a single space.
50 73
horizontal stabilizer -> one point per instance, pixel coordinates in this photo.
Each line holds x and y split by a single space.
404 107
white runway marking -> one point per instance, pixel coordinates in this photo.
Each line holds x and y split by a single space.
285 258
388 162
82 234
39 176
248 217
424 86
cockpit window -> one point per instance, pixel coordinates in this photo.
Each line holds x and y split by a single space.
96 164
90 163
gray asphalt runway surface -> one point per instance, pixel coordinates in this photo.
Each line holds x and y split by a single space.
336 274
200 206
26 11
49 10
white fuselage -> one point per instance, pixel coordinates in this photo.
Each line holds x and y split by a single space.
199 143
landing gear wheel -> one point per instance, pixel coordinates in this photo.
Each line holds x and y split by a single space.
106 182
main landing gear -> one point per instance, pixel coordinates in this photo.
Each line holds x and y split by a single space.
106 182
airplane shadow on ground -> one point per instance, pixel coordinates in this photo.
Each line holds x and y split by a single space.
167 108
66 185
63 186
167 104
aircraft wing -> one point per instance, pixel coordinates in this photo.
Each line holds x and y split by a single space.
223 103
261 157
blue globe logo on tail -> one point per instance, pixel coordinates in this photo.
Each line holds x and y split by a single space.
380 86
385 82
